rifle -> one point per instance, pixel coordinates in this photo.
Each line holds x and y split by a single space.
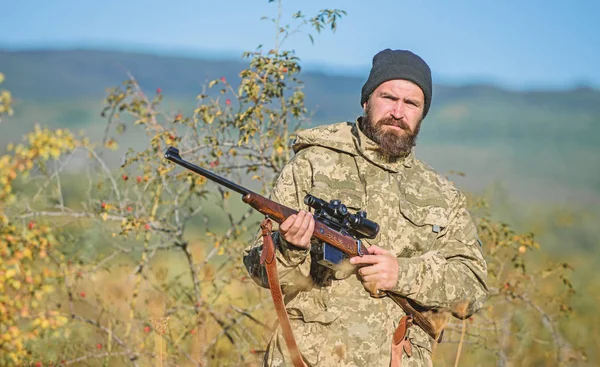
339 231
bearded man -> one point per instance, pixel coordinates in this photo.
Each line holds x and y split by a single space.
427 250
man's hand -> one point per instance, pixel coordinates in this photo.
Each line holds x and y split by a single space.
378 270
297 229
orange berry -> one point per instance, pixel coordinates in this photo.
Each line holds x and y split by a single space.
31 225
147 329
82 294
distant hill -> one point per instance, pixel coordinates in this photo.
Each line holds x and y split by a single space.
49 76
544 143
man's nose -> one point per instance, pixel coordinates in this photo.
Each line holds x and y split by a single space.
397 111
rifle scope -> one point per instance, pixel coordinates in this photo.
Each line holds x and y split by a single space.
338 213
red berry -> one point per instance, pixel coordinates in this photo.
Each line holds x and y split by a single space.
38 364
147 329
103 205
178 117
125 177
158 91
138 179
82 294
129 209
285 70
31 225
228 102
223 79
193 331
98 346
147 226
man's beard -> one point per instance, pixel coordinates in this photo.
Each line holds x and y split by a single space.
393 144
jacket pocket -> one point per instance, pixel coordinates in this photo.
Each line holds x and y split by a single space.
351 198
427 222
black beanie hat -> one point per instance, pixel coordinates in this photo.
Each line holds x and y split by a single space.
398 64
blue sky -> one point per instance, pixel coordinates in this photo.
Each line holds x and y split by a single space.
516 44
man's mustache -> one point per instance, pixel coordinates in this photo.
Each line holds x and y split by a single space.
393 122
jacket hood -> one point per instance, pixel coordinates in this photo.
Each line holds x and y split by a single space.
338 136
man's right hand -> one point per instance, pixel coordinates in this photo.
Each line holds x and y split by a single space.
297 229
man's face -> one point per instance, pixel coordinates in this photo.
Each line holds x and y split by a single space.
393 115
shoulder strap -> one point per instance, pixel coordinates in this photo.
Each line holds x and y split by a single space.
269 260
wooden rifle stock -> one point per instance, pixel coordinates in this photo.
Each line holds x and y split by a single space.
279 213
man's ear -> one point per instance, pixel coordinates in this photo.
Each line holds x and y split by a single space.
365 106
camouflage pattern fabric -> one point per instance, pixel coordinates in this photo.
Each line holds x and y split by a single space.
423 221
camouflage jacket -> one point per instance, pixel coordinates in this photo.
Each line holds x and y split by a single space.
423 221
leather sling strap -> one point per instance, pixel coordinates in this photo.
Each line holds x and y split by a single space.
400 342
418 318
268 258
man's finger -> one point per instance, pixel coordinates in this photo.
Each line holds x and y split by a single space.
376 250
365 259
369 270
297 223
287 223
309 231
370 279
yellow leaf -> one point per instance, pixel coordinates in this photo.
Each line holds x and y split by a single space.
48 288
10 273
221 251
104 216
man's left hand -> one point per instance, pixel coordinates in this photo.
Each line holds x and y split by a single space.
378 270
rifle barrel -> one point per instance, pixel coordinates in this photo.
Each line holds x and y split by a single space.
172 154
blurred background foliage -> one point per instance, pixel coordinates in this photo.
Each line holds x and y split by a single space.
112 256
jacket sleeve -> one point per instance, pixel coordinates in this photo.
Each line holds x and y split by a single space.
293 263
453 273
